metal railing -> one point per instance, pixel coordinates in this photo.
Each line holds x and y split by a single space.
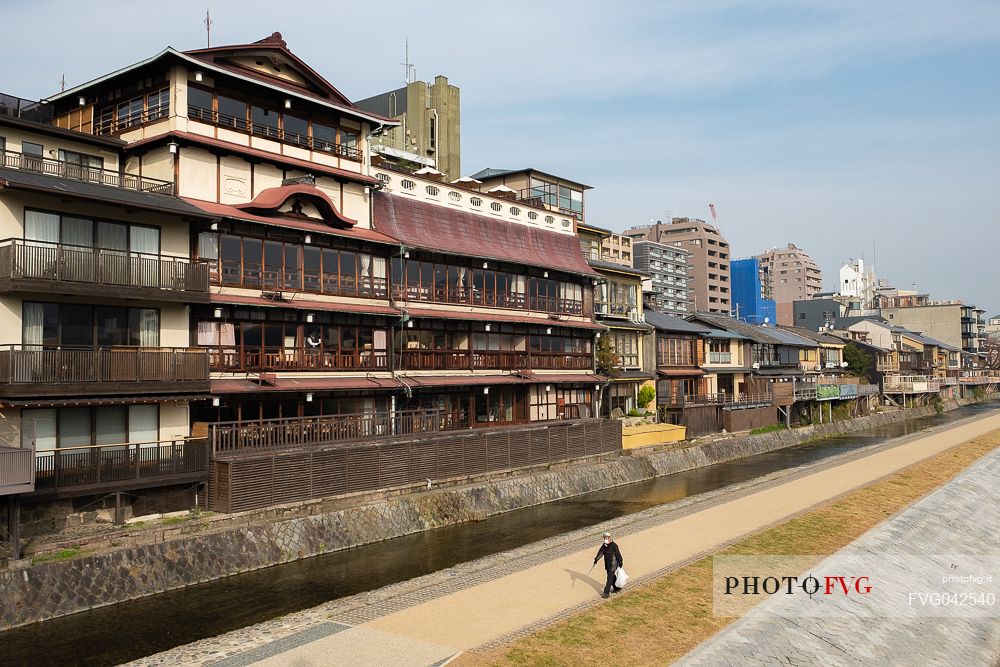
868 390
16 470
804 391
102 464
59 263
18 107
911 384
299 431
546 196
49 167
29 364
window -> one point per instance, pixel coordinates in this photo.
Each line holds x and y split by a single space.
265 122
199 104
47 325
103 425
232 113
296 130
32 156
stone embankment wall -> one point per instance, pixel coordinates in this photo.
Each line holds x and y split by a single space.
215 547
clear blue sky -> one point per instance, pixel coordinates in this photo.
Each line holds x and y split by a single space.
841 126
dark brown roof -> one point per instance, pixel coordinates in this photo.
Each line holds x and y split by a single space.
455 232
272 199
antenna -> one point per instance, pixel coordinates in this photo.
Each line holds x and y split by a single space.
408 67
715 218
208 28
62 83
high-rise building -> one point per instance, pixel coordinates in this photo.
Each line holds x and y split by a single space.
952 322
858 281
708 266
429 130
751 302
790 275
667 267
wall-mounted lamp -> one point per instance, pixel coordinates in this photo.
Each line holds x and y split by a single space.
309 318
82 100
214 227
218 312
486 390
406 254
409 324
288 104
308 239
487 327
198 76
309 398
216 402
173 147
545 274
597 387
486 265
597 335
548 331
548 387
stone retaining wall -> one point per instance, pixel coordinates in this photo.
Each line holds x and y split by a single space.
222 546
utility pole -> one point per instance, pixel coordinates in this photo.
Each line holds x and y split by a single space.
208 28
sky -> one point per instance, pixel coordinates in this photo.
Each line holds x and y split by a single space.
848 127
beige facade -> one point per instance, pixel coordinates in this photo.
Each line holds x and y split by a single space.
953 322
709 282
430 130
789 275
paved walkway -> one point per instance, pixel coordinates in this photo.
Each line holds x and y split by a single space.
429 619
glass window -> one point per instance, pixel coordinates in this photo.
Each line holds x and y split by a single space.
324 136
232 113
273 254
111 425
144 423
77 325
265 122
200 100
74 427
296 130
231 260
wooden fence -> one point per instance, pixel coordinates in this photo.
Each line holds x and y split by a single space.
248 480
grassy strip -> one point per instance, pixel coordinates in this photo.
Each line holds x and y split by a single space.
661 621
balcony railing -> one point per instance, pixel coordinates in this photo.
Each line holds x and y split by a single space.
273 133
18 107
22 366
867 390
16 473
229 437
229 358
723 399
546 196
114 465
804 391
492 299
49 167
60 264
887 366
911 384
720 357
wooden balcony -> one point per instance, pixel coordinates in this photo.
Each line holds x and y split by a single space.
267 434
290 358
112 178
72 471
721 399
436 360
37 266
911 384
27 370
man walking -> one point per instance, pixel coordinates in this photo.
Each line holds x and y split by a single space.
612 561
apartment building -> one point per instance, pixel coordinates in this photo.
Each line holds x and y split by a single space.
790 275
953 322
708 267
667 267
751 292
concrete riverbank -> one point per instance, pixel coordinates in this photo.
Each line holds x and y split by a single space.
127 566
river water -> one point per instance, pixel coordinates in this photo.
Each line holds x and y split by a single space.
130 630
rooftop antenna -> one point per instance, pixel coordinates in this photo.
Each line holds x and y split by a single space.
408 67
62 83
208 28
715 217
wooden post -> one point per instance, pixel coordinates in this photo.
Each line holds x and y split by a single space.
118 508
14 526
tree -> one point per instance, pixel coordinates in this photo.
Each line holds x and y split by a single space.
859 362
608 362
991 346
646 395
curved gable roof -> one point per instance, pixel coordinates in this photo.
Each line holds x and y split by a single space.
271 199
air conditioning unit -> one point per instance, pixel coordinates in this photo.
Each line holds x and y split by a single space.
756 365
831 364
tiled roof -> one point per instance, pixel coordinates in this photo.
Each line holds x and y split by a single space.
665 322
272 199
455 232
814 336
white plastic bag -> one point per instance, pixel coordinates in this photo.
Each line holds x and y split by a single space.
621 578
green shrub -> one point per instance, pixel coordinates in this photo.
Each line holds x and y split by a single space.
768 429
646 396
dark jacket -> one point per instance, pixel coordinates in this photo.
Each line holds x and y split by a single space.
611 554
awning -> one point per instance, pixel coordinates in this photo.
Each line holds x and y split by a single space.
304 304
102 400
679 372
492 317
242 386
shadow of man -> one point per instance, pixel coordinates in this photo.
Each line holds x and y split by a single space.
598 586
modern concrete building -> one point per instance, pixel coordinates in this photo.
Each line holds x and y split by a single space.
952 322
751 292
790 274
708 267
430 125
858 281
667 267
